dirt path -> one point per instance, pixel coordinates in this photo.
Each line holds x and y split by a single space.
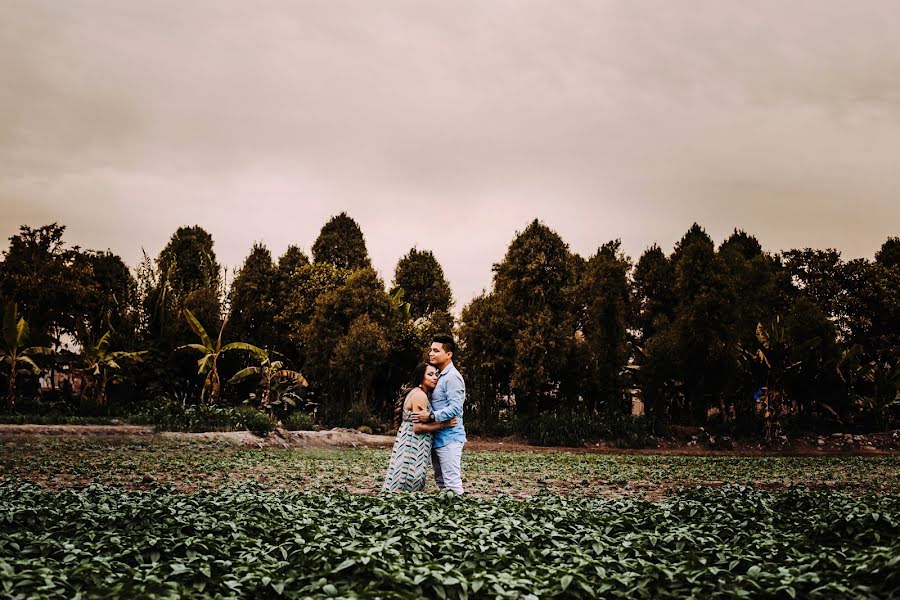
882 444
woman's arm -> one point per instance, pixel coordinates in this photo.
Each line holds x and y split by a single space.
426 427
432 427
419 402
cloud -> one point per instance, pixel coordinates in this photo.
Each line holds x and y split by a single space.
450 126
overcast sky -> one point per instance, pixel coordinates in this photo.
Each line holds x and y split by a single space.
450 125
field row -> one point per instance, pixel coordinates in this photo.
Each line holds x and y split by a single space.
192 465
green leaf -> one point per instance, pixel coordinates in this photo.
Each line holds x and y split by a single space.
246 347
198 329
344 565
245 373
565 582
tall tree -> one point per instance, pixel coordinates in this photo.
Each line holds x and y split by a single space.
819 274
192 261
763 292
362 294
187 276
654 292
534 282
605 291
341 244
422 279
46 279
292 259
486 356
112 299
889 253
703 318
356 362
299 291
254 299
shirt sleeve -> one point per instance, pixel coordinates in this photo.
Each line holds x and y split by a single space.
456 395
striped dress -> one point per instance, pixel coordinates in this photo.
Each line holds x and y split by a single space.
410 459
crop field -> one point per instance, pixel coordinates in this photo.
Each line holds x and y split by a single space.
162 518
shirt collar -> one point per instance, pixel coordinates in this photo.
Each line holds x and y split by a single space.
447 368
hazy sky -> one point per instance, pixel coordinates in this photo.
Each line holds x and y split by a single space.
451 125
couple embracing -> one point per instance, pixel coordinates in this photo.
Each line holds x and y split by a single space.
431 430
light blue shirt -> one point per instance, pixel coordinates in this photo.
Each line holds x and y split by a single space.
447 402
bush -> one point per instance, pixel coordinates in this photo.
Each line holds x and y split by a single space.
299 421
256 422
53 419
575 428
558 428
500 426
176 412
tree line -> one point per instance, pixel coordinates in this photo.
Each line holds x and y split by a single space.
758 340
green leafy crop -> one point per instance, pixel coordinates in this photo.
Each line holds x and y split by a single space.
246 541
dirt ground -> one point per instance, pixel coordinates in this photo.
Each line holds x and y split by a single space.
685 442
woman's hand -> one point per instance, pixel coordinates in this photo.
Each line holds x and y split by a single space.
451 423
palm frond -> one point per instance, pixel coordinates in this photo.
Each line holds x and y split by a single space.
34 368
245 346
21 332
197 347
292 375
198 329
244 374
39 351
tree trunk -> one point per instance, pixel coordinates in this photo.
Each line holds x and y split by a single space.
100 398
266 392
11 397
214 386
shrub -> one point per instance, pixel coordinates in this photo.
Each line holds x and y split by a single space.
575 428
299 421
364 429
54 419
500 426
256 422
176 412
558 428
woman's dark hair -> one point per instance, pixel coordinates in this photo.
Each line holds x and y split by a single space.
418 376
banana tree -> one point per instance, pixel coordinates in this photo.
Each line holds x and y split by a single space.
97 363
269 371
19 359
884 375
211 352
778 358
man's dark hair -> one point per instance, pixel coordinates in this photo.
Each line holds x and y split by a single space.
446 341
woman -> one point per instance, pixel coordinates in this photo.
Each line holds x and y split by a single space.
411 456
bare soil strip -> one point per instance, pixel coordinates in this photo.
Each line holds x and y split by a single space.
881 444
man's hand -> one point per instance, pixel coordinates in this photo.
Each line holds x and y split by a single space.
420 417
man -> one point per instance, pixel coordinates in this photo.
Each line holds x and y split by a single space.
446 403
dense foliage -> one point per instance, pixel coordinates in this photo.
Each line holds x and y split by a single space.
247 542
558 349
